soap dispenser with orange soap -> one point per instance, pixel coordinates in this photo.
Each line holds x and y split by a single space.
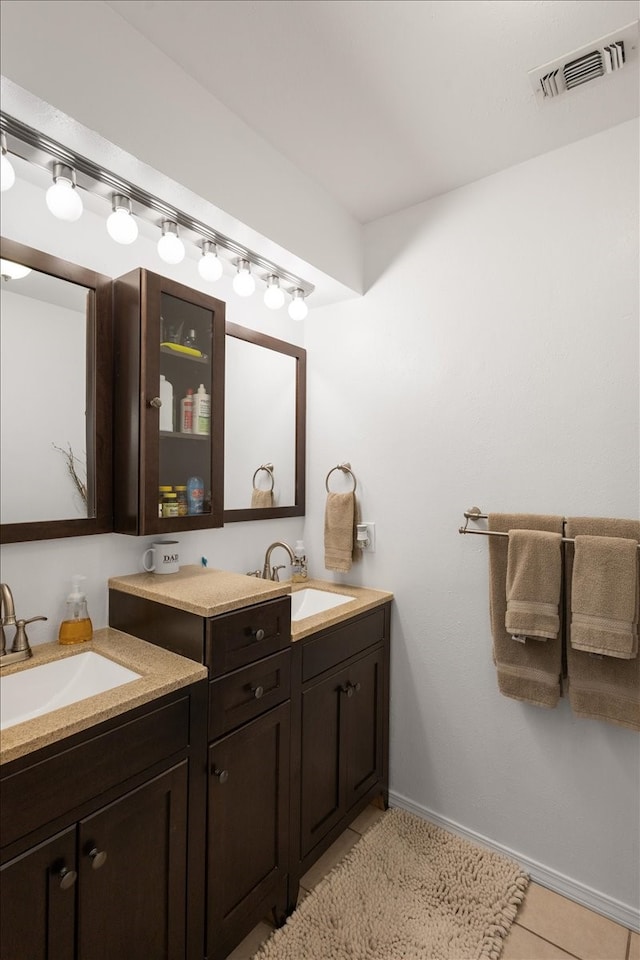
76 626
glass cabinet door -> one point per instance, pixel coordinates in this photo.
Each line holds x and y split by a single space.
169 406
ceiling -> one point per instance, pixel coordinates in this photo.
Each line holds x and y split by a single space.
386 103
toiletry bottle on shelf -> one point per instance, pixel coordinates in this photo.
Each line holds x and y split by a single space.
186 412
76 626
183 503
202 411
166 407
190 340
299 571
195 495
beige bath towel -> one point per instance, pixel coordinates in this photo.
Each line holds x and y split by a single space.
261 498
601 688
338 531
604 596
534 580
526 671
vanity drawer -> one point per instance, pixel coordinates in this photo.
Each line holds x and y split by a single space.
50 788
331 648
248 692
237 639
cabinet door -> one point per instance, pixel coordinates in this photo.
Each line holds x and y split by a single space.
37 899
323 774
132 866
164 329
364 726
248 823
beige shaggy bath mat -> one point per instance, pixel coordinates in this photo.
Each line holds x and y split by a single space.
408 890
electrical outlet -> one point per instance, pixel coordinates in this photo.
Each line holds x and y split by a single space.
370 546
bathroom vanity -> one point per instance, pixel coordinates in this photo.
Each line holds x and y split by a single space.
210 794
97 799
297 725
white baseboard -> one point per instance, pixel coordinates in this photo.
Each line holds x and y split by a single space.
621 913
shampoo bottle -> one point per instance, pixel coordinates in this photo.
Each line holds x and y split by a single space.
201 411
76 626
186 412
166 405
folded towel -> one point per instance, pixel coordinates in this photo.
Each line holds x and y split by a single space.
604 596
338 531
526 671
601 688
262 498
534 579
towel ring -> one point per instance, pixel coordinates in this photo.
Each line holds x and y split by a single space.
346 468
268 468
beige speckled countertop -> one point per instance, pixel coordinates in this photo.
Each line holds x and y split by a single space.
161 673
208 593
200 590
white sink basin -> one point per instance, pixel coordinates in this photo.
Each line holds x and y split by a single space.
307 602
39 690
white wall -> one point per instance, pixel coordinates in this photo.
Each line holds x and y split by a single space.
492 362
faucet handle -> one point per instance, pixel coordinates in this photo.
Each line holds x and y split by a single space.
274 572
21 641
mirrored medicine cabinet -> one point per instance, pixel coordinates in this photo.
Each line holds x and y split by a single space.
55 403
58 429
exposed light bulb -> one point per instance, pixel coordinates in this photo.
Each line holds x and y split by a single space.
10 270
170 246
274 294
121 225
298 308
210 265
7 173
243 283
63 199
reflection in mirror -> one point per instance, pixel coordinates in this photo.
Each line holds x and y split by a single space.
265 400
55 382
43 429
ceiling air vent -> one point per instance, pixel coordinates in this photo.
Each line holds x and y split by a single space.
599 59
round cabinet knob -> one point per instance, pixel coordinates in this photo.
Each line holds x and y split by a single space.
356 687
67 878
258 634
155 402
222 775
348 689
257 692
98 858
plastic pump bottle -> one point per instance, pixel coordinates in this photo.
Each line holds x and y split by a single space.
76 626
299 568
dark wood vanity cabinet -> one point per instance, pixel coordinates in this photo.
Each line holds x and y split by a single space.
248 730
97 858
153 317
340 718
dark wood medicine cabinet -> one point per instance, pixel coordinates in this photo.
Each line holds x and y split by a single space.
128 456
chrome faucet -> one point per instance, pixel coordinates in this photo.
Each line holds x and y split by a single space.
20 649
269 572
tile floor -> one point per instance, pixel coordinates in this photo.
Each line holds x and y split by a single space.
548 926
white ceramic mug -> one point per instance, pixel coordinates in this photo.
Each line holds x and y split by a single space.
162 557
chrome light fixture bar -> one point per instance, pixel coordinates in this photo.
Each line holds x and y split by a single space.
29 144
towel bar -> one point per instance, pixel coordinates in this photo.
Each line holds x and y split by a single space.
268 468
346 468
474 513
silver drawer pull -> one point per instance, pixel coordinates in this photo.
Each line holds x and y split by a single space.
258 691
155 402
98 858
222 775
67 878
258 634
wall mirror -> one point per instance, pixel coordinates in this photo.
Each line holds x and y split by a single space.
265 417
55 401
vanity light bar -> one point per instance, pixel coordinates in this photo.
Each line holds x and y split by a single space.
36 148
